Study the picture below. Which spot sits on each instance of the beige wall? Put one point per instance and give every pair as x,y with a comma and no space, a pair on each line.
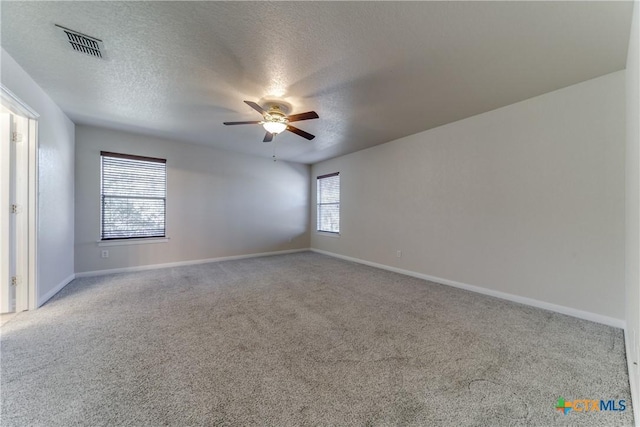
55,181
218,203
633,208
526,200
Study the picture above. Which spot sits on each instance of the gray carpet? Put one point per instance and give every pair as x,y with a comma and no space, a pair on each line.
300,339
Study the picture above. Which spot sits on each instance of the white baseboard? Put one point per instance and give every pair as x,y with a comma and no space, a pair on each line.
46,297
634,381
183,263
598,318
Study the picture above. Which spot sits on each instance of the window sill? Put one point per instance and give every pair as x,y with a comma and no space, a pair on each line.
125,242
327,233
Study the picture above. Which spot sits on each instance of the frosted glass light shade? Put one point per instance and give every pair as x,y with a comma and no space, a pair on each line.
274,127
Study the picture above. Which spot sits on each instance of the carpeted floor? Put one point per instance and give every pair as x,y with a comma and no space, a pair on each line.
300,339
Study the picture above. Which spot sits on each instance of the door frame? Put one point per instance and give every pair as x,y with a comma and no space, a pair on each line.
29,238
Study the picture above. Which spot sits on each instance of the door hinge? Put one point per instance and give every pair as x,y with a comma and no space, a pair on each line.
16,137
15,209
16,280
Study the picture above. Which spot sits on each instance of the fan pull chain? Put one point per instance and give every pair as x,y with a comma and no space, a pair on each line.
274,150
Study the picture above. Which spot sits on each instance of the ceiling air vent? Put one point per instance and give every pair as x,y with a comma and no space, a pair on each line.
83,43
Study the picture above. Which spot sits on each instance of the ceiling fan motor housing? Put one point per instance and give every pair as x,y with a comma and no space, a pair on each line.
276,111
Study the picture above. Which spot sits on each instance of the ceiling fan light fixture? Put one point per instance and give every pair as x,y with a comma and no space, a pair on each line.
274,127
276,119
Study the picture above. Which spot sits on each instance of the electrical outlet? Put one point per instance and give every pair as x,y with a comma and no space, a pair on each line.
398,253
105,254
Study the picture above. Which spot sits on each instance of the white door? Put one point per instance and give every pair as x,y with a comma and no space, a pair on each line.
20,128
7,252
14,175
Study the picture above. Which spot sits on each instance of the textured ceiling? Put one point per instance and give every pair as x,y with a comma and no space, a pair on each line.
374,71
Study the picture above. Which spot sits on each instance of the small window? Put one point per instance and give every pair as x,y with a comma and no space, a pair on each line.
134,190
329,203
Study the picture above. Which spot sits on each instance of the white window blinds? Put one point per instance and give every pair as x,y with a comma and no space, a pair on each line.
329,203
134,192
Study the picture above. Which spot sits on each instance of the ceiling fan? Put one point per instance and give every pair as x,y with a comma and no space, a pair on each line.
275,120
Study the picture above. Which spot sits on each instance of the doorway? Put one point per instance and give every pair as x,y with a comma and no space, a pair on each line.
18,155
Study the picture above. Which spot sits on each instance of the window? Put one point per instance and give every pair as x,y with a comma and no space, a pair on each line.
134,190
329,203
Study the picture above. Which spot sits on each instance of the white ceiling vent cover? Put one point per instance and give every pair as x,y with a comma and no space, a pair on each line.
82,42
